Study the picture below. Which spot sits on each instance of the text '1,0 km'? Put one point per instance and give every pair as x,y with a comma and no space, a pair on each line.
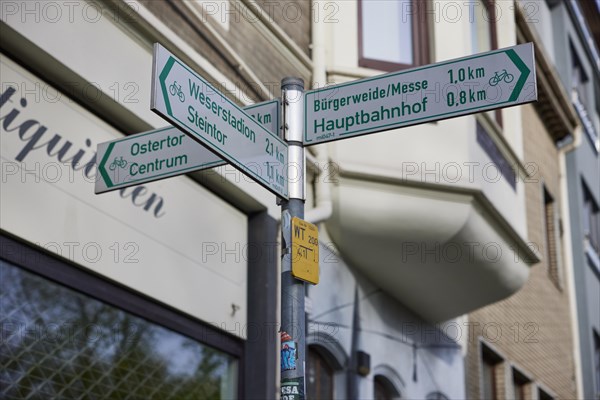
185,99
500,78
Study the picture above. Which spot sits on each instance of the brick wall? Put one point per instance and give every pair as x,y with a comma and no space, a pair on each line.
246,37
294,17
531,329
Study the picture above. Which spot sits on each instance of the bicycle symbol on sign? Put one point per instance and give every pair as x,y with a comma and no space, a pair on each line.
117,162
504,76
175,89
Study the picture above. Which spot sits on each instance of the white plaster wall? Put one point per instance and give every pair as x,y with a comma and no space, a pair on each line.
387,333
431,152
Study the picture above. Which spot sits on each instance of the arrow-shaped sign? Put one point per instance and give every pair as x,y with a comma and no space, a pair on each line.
186,100
162,153
468,85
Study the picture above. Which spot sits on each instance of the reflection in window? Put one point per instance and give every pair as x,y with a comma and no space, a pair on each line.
591,219
393,34
482,15
320,377
58,343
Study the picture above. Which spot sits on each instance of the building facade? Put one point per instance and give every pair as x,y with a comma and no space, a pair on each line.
576,46
561,140
429,222
164,289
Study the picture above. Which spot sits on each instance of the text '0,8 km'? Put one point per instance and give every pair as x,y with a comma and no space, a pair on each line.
468,85
186,100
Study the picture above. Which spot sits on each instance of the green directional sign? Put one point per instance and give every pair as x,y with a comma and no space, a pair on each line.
496,79
162,153
189,102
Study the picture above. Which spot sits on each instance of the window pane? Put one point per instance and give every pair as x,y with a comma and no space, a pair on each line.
436,396
481,26
519,383
597,360
382,389
591,219
58,343
551,238
320,377
387,30
489,381
379,392
542,395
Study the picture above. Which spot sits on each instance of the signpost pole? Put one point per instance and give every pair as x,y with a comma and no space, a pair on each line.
293,330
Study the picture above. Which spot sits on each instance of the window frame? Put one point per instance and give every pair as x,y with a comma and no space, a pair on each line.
494,360
591,218
596,344
320,353
421,43
520,383
69,275
552,251
490,7
544,395
437,395
386,385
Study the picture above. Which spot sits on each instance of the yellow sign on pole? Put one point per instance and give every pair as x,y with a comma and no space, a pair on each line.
305,251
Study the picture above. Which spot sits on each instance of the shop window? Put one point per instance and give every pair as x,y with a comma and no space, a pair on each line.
591,220
320,376
60,343
393,35
550,227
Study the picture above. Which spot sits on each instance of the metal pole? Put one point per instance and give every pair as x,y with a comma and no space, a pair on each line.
293,329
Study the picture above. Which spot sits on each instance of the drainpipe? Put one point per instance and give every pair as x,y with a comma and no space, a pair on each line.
568,259
352,381
323,207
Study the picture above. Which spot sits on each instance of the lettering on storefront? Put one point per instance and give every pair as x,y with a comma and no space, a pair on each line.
36,136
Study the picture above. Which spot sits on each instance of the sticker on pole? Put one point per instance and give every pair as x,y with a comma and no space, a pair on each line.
305,251
292,389
288,352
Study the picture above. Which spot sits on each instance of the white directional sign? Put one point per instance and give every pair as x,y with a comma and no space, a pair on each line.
162,153
185,99
486,81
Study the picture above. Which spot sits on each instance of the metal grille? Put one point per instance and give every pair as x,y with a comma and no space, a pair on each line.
59,344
